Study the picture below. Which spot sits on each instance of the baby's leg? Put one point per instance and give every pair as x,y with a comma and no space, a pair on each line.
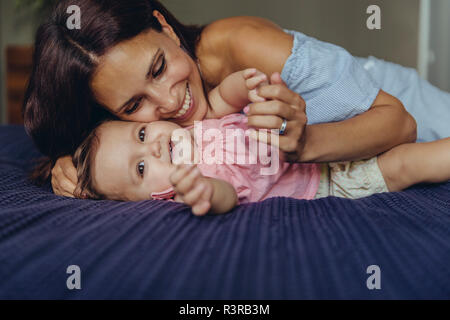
412,163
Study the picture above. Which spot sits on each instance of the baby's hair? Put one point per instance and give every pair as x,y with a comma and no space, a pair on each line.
83,160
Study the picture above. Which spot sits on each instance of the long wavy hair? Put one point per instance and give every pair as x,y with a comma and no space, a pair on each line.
59,108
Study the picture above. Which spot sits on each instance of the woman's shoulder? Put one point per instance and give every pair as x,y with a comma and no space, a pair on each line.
233,23
241,42
224,31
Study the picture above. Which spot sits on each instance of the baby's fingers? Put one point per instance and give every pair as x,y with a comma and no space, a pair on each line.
250,72
201,208
179,174
187,183
254,82
203,205
194,195
254,97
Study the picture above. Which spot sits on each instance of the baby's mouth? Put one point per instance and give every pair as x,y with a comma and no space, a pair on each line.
176,151
171,151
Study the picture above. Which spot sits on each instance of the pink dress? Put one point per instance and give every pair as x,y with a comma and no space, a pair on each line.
256,179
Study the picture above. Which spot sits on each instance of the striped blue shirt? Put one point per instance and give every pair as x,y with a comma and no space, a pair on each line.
337,86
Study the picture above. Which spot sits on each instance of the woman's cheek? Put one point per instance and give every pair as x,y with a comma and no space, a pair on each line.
145,113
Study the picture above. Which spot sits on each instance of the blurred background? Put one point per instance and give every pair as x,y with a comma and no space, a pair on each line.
413,33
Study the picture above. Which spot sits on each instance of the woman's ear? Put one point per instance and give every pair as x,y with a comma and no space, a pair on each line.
167,28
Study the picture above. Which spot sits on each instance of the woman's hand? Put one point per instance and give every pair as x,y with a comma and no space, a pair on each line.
280,103
64,177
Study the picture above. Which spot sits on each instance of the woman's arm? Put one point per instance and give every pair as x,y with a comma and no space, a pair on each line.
258,43
361,137
385,125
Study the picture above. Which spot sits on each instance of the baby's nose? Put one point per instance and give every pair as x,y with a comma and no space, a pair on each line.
155,148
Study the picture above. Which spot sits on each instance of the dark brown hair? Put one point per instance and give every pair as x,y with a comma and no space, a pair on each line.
59,108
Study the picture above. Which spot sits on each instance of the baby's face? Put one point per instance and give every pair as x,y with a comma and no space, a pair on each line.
133,159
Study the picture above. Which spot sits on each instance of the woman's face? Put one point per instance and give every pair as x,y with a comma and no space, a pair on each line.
149,78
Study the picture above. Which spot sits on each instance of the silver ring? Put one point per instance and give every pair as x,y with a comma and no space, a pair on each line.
282,129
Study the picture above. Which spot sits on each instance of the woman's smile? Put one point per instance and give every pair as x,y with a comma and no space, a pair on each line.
185,111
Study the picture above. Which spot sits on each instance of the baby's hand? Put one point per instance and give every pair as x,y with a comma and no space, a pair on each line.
254,79
192,188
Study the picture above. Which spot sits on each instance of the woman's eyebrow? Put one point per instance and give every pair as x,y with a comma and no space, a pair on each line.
147,75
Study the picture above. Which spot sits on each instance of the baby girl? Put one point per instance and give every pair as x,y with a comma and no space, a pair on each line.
139,161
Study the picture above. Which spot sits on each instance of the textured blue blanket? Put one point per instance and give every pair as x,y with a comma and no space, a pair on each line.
277,249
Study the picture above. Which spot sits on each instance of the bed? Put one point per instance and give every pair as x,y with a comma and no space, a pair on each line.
280,248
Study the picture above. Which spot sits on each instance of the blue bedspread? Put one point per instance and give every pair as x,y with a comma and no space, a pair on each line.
277,249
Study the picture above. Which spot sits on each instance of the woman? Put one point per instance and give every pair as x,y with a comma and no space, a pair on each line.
133,58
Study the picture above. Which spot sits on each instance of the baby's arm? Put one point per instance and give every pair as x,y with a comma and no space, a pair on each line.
203,194
236,91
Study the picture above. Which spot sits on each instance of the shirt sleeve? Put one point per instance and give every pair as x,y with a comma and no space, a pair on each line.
333,84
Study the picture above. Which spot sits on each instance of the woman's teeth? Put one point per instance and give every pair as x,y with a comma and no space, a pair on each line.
186,105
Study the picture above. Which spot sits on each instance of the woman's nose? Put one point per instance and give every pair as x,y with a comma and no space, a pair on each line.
166,101
167,109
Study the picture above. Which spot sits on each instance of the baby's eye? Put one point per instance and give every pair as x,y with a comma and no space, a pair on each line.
140,168
142,134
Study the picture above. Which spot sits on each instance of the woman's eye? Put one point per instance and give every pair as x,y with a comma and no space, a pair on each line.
134,107
140,168
161,69
142,134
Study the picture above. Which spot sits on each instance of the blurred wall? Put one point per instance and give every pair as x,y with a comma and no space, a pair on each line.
342,22
439,64
16,28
